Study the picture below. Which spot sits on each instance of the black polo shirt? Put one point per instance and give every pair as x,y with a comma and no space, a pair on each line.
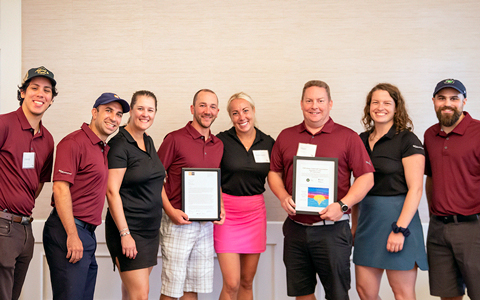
241,175
141,189
387,157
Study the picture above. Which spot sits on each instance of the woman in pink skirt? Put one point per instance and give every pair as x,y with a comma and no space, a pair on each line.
245,165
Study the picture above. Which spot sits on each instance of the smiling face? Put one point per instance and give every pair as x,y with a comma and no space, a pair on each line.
242,115
382,108
142,113
106,118
316,107
37,97
205,110
448,105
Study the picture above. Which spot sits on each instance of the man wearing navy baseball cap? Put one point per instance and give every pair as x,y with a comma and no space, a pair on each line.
452,166
26,159
79,188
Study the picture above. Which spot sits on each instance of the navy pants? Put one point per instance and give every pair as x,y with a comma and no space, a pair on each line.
69,281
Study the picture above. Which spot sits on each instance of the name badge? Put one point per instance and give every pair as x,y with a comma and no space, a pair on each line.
261,156
307,150
28,160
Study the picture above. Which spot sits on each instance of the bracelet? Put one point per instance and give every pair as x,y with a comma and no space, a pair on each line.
124,234
396,229
124,229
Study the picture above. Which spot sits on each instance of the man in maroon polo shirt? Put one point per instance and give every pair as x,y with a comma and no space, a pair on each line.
79,188
319,244
26,158
188,245
452,166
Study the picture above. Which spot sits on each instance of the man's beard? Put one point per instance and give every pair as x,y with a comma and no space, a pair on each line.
448,120
199,121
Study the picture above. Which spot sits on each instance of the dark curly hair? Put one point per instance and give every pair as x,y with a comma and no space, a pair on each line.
401,119
24,86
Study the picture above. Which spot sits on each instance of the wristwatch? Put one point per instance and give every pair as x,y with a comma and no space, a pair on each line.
343,206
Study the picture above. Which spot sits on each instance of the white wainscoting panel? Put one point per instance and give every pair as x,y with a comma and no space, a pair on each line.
270,281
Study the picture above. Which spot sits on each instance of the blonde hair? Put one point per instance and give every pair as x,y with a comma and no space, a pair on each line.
240,95
243,96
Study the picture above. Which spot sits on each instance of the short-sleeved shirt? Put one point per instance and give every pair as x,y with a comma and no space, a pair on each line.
81,160
387,155
141,188
242,175
333,140
453,162
187,148
18,185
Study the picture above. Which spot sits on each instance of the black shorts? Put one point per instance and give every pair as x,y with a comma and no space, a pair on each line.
323,250
147,243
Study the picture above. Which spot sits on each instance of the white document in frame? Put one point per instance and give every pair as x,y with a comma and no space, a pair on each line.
201,194
315,185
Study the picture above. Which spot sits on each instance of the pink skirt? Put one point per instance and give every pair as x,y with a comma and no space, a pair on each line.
245,227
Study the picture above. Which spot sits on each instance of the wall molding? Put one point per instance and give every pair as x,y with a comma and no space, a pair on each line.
270,280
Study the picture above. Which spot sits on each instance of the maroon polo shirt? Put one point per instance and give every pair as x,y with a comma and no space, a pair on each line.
453,162
81,160
333,140
187,148
18,185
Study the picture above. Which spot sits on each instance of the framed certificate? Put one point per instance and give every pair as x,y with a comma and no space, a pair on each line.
201,194
314,183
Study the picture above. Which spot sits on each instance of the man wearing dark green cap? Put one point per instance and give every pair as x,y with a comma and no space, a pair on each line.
26,158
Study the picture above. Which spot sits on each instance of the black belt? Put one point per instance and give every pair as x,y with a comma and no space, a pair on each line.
85,225
457,218
80,223
24,220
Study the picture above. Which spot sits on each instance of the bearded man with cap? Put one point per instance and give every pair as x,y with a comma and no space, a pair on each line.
79,188
26,159
452,166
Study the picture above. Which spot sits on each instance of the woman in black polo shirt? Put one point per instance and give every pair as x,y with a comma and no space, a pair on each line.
389,234
245,165
134,194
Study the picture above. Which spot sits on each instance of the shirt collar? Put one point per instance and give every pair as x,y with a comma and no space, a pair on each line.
197,135
24,122
391,133
327,128
258,136
127,135
91,135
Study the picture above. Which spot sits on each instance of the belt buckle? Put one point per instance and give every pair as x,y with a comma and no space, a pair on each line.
26,220
447,219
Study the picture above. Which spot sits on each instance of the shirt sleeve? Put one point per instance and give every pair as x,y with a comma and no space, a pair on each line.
411,145
276,159
117,155
3,133
166,152
66,161
428,169
359,161
46,173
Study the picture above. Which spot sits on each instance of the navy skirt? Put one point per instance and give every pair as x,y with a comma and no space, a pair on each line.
376,215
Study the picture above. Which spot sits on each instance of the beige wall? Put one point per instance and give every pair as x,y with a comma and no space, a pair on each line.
268,49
